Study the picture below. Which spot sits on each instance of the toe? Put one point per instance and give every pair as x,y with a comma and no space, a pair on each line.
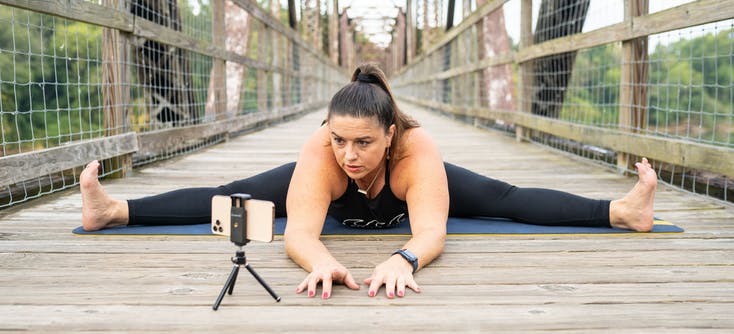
89,173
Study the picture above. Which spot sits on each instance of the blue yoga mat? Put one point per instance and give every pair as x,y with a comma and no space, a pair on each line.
456,226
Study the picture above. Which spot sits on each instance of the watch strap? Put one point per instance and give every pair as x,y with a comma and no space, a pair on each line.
408,256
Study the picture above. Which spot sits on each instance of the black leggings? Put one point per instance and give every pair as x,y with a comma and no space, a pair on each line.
471,195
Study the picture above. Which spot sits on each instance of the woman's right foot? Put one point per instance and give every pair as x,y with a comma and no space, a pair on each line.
635,210
99,210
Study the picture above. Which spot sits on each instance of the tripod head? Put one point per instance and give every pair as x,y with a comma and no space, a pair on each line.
238,219
243,218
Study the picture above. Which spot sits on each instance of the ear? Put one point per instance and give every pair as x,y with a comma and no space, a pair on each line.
390,133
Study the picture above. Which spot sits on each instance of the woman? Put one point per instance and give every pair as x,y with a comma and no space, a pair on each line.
370,166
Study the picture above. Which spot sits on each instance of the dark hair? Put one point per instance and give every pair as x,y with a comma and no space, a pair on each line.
368,95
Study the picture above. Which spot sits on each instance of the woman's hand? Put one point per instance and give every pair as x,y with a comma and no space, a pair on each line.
395,274
326,274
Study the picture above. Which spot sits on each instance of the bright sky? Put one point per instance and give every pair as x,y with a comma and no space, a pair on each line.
600,14
377,16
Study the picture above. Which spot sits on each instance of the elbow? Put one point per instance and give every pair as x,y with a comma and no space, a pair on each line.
289,243
294,241
441,242
437,238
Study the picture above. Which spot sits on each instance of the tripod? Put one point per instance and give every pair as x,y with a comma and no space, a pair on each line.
239,260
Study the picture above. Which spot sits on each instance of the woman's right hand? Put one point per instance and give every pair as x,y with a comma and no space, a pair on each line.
326,274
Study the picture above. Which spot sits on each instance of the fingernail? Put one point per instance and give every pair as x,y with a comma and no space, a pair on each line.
311,293
401,293
325,295
372,293
391,295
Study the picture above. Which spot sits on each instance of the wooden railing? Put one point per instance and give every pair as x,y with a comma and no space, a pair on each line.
443,79
289,76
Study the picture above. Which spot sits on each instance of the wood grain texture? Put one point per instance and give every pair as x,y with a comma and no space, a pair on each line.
263,16
89,12
56,282
78,10
683,16
679,152
24,166
687,15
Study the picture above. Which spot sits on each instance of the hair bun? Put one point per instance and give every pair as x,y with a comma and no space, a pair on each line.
368,78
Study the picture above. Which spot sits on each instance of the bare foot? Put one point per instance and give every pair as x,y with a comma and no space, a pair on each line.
99,210
634,211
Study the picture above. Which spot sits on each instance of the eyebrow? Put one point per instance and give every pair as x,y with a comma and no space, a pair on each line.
358,138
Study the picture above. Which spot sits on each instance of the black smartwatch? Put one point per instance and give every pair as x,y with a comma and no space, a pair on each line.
408,256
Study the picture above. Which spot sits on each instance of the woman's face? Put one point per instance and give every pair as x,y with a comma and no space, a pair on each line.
359,144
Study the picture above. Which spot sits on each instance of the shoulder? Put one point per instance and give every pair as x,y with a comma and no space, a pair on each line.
416,143
319,139
316,163
420,160
316,151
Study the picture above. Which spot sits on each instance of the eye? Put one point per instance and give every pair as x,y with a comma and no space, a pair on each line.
363,143
338,141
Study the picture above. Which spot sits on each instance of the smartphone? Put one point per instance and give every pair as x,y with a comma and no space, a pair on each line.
260,217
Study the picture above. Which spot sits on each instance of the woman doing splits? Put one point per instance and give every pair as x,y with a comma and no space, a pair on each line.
372,166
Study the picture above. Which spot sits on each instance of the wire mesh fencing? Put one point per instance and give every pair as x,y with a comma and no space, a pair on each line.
182,80
643,88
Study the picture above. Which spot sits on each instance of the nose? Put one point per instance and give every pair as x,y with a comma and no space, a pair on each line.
350,154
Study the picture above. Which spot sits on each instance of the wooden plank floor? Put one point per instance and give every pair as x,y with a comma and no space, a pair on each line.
54,281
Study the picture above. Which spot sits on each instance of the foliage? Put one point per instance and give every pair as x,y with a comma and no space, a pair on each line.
697,86
593,90
690,88
51,81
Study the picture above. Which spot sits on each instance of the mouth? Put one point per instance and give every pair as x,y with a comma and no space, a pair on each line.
353,168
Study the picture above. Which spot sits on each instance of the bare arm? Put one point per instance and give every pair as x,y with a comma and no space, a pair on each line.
421,180
315,183
427,195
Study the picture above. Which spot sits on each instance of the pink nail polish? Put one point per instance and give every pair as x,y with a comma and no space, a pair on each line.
401,293
311,293
372,293
325,295
391,295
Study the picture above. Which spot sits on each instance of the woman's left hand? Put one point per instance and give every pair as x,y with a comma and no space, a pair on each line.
395,274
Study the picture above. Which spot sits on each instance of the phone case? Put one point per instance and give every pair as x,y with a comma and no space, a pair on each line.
221,206
260,218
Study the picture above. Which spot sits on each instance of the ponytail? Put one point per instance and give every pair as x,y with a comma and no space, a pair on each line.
369,95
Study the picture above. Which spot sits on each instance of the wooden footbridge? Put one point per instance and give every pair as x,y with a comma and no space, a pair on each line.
55,281
172,95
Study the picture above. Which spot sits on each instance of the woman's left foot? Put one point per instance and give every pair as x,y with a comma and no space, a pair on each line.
634,211
99,210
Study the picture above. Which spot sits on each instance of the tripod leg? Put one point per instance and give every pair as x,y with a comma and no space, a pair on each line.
262,282
227,285
236,270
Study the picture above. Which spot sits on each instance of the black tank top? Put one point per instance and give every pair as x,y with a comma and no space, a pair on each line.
354,209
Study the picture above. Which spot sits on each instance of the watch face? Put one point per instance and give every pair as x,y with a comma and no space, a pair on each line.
410,255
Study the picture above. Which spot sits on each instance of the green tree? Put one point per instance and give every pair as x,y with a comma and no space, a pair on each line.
692,93
50,82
